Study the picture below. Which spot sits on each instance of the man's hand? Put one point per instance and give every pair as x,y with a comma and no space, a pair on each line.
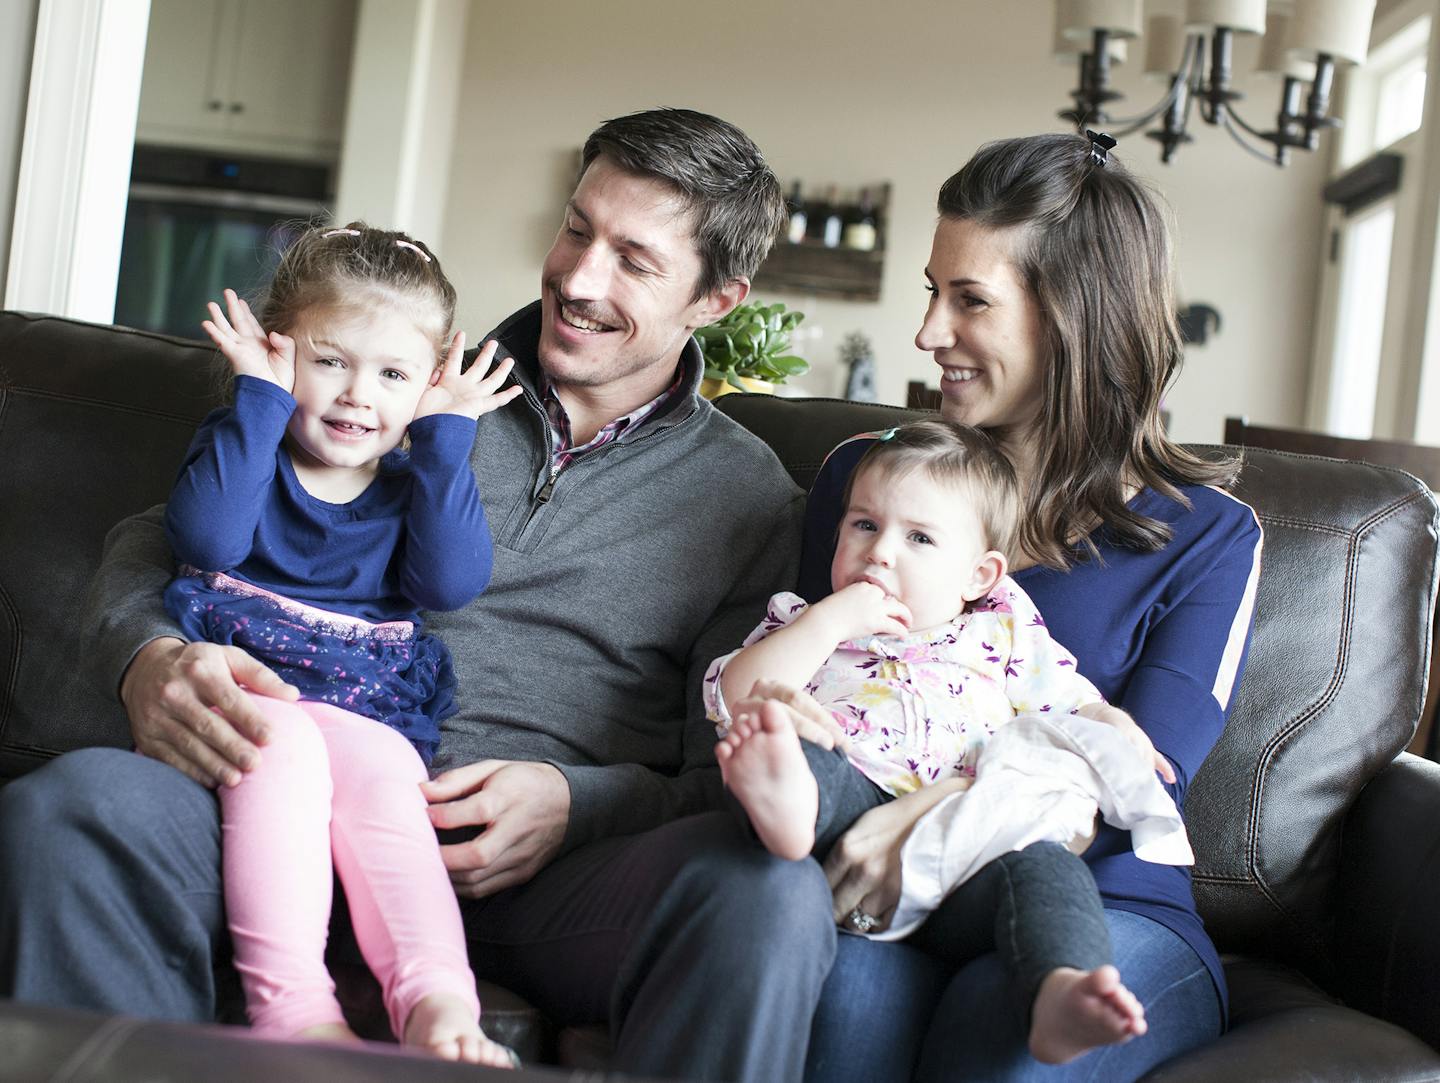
522,810
1131,731
247,346
187,707
472,393
811,721
858,610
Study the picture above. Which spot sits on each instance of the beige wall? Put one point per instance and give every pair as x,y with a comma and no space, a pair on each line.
17,37
850,91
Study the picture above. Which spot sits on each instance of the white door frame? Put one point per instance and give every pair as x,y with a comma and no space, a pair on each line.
403,107
75,157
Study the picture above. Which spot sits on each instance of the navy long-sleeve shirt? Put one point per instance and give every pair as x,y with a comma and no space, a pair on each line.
416,539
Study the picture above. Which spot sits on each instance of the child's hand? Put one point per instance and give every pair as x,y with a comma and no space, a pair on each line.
1131,731
862,609
811,721
250,351
470,393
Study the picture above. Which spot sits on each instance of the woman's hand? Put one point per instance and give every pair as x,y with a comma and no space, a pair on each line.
863,868
472,393
245,344
811,721
1131,731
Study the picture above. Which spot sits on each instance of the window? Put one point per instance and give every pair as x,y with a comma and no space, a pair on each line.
1400,100
1360,321
1386,95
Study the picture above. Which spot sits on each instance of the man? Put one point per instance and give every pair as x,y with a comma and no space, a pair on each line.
638,534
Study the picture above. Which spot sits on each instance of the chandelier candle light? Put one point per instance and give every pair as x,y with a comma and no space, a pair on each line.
1303,41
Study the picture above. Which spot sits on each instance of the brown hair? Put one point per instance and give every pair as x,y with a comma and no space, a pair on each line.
354,269
1093,249
733,198
960,456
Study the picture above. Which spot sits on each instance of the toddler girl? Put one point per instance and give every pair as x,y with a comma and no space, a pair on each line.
311,521
922,652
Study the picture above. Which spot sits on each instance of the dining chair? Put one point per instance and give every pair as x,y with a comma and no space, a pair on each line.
919,396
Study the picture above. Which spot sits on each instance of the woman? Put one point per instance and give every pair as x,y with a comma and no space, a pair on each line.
1051,318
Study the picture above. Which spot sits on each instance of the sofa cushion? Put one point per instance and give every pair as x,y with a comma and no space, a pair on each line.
1284,1028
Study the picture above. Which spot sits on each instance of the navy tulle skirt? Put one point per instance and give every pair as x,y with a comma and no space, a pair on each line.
390,672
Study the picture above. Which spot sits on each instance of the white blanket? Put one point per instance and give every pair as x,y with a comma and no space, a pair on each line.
1042,777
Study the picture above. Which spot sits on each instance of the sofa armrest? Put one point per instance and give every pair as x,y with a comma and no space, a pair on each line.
1387,935
43,1042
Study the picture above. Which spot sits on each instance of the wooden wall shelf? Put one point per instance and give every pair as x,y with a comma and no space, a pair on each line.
832,272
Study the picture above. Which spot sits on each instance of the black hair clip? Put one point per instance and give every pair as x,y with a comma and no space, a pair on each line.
1100,144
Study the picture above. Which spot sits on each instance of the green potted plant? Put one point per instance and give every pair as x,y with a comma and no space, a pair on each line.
747,350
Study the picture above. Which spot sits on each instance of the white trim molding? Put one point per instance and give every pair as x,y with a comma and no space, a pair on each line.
405,79
75,158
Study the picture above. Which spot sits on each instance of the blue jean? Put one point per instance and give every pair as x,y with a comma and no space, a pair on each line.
110,898
890,1012
1037,908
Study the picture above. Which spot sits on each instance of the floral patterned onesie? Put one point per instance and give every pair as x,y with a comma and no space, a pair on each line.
919,708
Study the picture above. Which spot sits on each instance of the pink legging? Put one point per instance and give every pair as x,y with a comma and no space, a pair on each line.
333,783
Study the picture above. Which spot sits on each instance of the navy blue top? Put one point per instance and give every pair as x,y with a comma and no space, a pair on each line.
1162,635
415,539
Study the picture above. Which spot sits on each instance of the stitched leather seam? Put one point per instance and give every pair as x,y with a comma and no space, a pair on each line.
1273,747
1306,524
12,663
1355,531
107,404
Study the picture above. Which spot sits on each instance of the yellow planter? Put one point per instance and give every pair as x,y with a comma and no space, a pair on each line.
713,389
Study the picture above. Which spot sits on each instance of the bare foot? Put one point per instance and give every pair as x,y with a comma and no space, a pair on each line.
445,1026
764,767
1077,1010
329,1032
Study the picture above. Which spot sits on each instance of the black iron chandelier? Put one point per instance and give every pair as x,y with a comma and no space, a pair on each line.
1303,42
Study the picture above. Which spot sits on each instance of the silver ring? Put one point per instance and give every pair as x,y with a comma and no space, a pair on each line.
860,921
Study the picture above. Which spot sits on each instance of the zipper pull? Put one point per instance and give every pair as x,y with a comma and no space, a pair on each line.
543,496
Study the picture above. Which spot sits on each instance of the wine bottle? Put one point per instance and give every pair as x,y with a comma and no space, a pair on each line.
834,223
795,230
860,230
817,211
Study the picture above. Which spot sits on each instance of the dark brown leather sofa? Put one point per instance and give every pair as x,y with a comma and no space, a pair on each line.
1318,842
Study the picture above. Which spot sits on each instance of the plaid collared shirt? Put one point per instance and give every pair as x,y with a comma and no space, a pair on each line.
562,454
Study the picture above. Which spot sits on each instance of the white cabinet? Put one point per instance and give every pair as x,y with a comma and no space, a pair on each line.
264,76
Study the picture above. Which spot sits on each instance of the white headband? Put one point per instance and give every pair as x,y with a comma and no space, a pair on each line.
355,233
